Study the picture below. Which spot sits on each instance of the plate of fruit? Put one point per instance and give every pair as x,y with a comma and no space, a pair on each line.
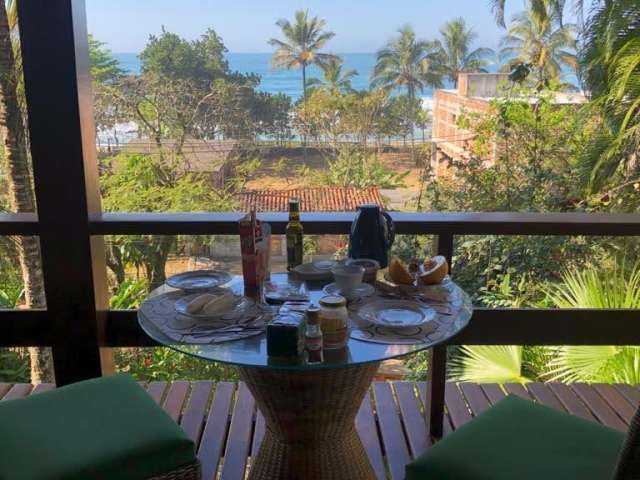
430,272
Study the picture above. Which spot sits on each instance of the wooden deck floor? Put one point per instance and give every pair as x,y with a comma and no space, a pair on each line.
223,421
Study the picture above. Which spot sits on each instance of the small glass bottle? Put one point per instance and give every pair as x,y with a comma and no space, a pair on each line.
313,336
294,235
334,320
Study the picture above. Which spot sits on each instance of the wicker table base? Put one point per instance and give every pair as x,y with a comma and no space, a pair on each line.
310,423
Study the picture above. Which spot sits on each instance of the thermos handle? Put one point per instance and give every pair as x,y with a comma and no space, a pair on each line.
391,229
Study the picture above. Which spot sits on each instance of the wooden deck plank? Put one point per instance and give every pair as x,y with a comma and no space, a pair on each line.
4,388
476,399
616,401
175,399
598,406
456,406
156,390
570,401
447,428
493,391
542,394
19,390
193,419
215,430
258,433
630,393
393,440
517,389
368,431
239,442
412,418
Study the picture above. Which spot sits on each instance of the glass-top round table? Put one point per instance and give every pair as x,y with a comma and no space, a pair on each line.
309,409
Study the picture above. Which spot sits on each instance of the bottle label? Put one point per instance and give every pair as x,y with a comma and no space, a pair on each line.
294,250
313,348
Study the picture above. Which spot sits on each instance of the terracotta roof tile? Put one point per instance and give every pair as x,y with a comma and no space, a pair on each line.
321,199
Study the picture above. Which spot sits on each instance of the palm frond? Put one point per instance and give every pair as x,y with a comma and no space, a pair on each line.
489,364
609,288
497,6
577,363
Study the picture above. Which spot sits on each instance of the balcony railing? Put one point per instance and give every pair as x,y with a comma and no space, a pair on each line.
78,324
488,326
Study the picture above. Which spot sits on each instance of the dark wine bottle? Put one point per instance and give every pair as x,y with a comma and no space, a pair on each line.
294,235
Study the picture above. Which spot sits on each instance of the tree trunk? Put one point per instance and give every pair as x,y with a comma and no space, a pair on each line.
21,196
412,123
156,261
304,106
116,264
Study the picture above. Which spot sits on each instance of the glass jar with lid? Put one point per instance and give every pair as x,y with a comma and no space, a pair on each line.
334,320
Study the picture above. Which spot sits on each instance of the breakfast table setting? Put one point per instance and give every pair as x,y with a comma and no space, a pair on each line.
308,342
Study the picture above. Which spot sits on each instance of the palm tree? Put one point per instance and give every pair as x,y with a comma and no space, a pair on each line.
335,79
455,54
21,195
540,41
408,63
301,48
610,62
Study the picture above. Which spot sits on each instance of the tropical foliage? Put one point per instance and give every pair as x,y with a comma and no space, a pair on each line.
611,68
614,287
541,7
456,53
488,364
407,63
335,79
354,168
542,42
303,40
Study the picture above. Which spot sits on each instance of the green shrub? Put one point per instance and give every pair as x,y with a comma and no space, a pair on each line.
165,364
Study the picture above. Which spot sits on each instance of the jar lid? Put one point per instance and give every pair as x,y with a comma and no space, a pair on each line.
333,301
312,315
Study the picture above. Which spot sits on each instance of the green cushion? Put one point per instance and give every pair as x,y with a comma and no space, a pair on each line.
520,439
107,428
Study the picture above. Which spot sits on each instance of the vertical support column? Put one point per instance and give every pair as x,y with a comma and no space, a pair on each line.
55,57
437,373
436,379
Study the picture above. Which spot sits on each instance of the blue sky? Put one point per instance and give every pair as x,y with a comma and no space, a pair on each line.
246,25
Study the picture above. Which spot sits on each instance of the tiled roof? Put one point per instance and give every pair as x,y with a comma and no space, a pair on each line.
321,199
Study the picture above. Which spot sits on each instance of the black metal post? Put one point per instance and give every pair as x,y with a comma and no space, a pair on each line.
437,373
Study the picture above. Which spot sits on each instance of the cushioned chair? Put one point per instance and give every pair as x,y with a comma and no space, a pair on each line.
102,429
519,439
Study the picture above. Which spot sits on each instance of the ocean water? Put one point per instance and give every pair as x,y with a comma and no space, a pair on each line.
281,81
290,81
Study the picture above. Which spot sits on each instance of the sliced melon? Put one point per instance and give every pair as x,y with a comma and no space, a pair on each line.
399,272
433,270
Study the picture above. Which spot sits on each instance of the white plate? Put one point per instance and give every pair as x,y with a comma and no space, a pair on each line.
362,290
396,313
239,305
199,280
